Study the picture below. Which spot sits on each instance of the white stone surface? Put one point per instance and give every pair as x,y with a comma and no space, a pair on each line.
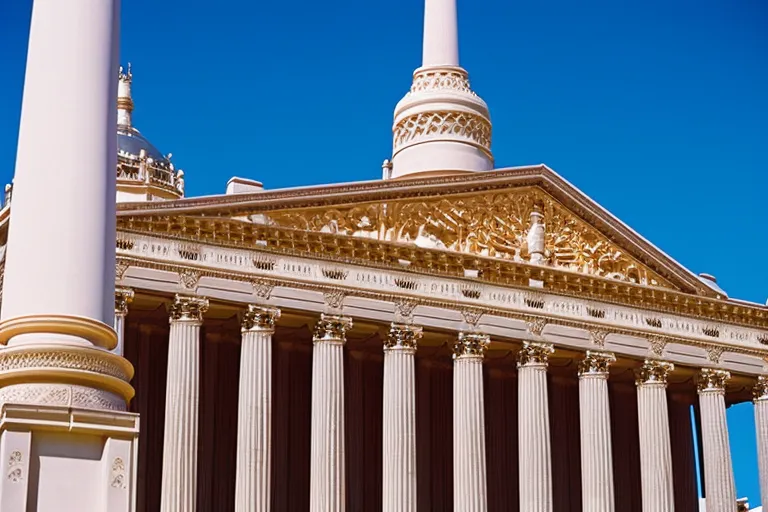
761,426
657,483
441,33
718,469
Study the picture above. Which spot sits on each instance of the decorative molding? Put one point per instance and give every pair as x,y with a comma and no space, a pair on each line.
15,467
117,474
404,310
536,325
714,354
123,297
653,372
443,123
188,309
332,329
472,316
597,337
441,79
596,364
62,394
334,300
471,345
189,279
121,266
535,354
262,289
658,345
760,391
260,318
712,380
403,338
28,357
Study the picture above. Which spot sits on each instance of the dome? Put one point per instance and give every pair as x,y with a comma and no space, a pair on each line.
130,143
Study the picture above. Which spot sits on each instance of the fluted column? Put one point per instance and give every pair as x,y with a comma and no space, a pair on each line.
719,484
254,413
655,446
327,465
595,422
761,427
123,297
470,492
535,452
179,490
399,443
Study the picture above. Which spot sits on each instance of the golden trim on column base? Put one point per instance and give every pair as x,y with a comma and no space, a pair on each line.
760,391
259,319
471,345
403,337
332,329
535,354
712,380
596,364
98,333
653,372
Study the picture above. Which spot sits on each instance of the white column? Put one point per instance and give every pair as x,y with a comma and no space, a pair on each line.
254,413
179,489
399,443
535,468
761,427
655,447
327,483
470,492
123,297
441,34
719,484
595,425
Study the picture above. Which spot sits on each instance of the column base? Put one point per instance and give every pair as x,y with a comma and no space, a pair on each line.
62,459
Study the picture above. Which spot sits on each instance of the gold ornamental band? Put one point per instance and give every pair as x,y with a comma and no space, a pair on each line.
68,376
98,333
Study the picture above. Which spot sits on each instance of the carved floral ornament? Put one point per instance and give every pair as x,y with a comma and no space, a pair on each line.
654,372
188,309
260,318
332,329
471,345
596,364
712,380
123,297
403,337
535,354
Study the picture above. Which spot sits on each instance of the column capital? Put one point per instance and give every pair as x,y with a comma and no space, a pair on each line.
596,364
760,391
188,309
123,297
403,338
534,354
471,345
332,329
712,380
653,372
259,318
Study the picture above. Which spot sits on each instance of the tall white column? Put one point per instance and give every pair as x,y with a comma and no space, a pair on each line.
760,394
719,484
441,33
655,447
123,297
254,413
179,486
597,492
470,492
399,472
327,483
535,471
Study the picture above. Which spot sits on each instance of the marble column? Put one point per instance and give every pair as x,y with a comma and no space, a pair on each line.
179,486
327,482
123,297
470,490
595,425
535,451
655,447
399,443
719,484
761,426
254,413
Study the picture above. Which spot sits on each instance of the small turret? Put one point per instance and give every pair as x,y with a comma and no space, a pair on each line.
124,99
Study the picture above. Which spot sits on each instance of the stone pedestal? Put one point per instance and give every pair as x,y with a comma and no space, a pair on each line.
470,490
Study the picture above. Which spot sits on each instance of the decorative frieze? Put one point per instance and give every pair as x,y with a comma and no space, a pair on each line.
332,329
123,297
471,345
402,337
188,309
535,354
712,380
259,318
654,372
596,364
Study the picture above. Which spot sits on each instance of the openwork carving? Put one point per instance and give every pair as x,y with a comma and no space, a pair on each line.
403,338
441,79
188,309
117,474
123,297
62,394
536,326
471,345
760,391
658,345
260,318
332,329
493,225
88,361
535,354
15,467
596,364
189,278
654,372
712,380
714,354
443,123
597,337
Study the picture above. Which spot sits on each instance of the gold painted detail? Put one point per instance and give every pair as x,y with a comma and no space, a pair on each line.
536,325
596,364
471,345
98,333
597,337
451,79
534,354
403,338
79,358
657,345
654,372
260,318
332,329
760,391
188,309
123,297
712,380
444,123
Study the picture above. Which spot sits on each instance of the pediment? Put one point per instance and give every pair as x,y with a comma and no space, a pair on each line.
524,215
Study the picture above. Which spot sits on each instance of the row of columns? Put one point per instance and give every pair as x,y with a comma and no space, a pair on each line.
328,478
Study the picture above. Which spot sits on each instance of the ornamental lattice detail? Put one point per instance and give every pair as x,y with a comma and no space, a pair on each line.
471,345
332,329
425,125
72,360
535,354
260,318
404,338
596,364
654,372
712,380
442,80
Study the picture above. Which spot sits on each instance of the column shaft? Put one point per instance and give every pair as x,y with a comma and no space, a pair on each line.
761,427
327,463
718,469
123,297
469,470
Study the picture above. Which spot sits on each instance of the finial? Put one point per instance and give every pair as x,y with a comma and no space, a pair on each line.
125,75
386,169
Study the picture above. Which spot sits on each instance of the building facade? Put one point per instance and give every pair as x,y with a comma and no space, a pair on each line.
455,336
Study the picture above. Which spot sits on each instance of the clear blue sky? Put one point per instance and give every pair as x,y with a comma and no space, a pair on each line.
656,109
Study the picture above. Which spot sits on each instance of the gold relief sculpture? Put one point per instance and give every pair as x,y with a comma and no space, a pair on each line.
123,297
535,354
712,380
471,344
596,364
403,337
332,329
260,318
188,309
760,391
654,372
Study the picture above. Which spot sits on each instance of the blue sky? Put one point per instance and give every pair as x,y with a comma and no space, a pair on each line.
656,109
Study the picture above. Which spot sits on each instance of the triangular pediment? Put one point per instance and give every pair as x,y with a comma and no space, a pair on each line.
524,215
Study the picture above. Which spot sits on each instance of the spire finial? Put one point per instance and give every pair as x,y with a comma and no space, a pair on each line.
124,99
127,75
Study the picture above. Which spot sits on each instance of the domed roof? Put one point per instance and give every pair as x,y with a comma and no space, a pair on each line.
130,143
